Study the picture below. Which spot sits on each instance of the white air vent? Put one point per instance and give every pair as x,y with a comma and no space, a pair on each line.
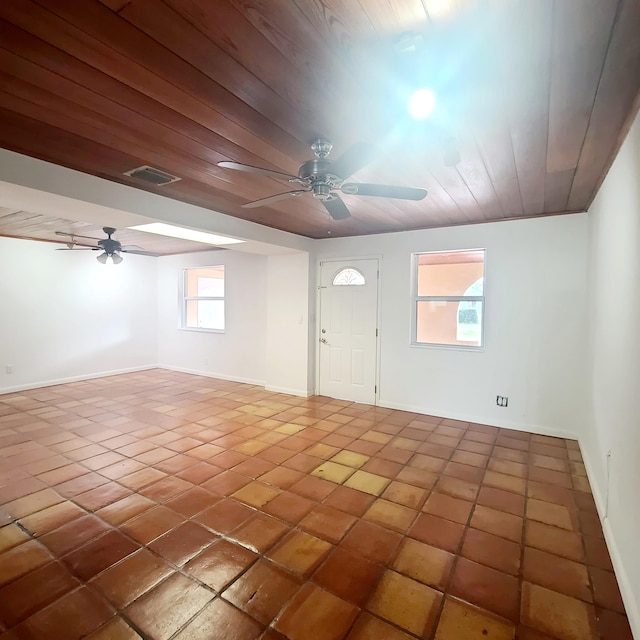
152,176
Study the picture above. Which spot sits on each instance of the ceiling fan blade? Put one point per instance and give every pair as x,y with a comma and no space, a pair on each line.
353,159
130,247
270,199
74,235
138,251
383,191
337,208
248,168
79,248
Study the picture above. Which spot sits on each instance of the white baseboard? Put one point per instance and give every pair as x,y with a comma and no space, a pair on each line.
628,597
541,430
302,393
87,376
210,374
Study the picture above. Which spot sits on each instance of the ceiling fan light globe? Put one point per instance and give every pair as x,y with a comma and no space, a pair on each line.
321,191
102,258
117,258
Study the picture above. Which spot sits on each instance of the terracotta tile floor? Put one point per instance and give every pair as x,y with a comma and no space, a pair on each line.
164,505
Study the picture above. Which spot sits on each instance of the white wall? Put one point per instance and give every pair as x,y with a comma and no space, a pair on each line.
534,324
238,353
613,393
287,340
64,315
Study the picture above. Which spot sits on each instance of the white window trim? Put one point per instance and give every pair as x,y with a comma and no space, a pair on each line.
415,298
185,298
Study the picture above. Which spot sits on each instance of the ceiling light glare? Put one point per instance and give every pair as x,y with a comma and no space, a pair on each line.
172,231
421,104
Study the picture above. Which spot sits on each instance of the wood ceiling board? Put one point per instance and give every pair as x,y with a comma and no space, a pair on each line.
111,121
283,24
6,211
527,110
116,5
452,182
495,146
339,23
580,42
46,107
610,118
276,101
395,17
105,86
85,43
49,68
349,42
473,172
137,54
439,11
307,95
50,110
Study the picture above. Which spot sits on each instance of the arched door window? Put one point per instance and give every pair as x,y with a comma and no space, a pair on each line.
348,277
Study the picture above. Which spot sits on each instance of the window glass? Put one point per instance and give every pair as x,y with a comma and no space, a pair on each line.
449,298
205,314
203,300
469,327
210,286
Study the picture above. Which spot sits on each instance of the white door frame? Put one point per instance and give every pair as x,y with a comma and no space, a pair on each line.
316,337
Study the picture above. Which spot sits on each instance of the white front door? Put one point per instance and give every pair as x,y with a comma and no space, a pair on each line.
348,330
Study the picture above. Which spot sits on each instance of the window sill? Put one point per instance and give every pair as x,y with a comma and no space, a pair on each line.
201,330
447,347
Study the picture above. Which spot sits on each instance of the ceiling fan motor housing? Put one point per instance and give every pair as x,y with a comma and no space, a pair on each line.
317,173
110,246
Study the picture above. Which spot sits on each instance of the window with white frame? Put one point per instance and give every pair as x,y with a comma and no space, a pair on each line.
203,298
448,298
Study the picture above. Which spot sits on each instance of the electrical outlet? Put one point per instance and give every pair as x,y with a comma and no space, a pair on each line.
9,368
502,401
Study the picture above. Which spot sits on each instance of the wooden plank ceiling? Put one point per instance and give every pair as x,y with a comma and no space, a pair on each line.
78,234
534,96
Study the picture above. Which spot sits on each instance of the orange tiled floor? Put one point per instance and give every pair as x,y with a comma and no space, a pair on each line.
163,505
